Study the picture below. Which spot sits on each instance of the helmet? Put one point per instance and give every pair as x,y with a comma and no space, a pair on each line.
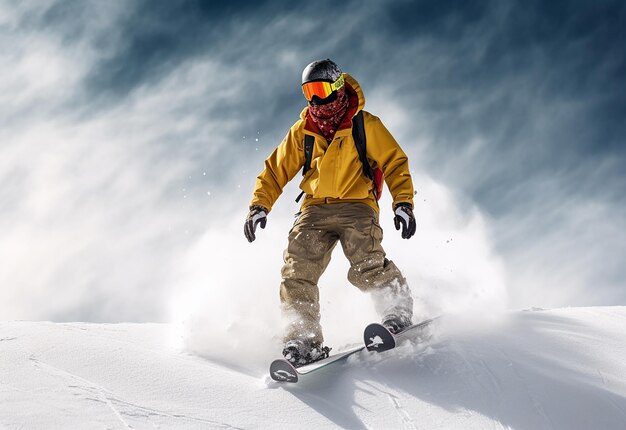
321,70
320,82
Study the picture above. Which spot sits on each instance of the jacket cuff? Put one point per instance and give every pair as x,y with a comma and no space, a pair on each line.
401,203
259,207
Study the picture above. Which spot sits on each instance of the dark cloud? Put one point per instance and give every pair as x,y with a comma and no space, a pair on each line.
155,38
540,83
413,19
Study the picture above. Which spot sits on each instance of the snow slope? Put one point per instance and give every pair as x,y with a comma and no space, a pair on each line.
556,369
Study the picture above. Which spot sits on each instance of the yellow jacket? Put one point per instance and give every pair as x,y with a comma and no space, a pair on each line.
336,173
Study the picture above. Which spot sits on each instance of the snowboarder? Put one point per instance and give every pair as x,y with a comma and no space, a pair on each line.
340,205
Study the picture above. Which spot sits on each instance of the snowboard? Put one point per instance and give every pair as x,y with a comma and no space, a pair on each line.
282,370
377,338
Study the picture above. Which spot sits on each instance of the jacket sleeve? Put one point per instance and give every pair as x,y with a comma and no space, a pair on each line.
280,167
383,149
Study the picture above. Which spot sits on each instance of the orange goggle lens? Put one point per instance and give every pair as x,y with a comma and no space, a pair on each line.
321,89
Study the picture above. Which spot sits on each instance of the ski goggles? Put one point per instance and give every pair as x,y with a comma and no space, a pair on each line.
321,89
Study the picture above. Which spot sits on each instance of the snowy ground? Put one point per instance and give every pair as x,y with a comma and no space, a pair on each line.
556,369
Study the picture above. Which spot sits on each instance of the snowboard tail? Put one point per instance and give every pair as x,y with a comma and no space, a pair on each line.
377,338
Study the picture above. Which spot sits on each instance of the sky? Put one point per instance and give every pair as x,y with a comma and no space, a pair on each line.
131,134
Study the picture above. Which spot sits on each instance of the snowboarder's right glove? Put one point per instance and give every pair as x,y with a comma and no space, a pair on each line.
404,217
257,215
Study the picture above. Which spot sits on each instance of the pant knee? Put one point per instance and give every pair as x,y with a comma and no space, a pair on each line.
374,272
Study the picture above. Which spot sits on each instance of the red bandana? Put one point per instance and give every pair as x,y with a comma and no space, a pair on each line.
328,117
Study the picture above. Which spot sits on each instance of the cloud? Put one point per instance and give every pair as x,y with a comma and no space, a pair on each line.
131,135
96,203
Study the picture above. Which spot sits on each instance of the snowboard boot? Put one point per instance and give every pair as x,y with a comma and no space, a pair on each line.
396,323
300,352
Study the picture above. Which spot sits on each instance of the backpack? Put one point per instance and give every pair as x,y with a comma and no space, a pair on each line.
358,134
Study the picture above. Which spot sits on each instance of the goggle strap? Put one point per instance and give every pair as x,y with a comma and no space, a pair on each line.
338,83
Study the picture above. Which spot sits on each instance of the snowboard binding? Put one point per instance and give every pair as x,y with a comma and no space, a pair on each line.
396,323
299,352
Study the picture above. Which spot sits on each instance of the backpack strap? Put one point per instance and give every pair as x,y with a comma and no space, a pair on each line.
309,141
358,134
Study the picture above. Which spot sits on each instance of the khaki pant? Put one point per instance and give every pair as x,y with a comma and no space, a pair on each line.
311,242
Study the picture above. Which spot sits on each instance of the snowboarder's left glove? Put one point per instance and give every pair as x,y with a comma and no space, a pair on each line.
256,216
404,217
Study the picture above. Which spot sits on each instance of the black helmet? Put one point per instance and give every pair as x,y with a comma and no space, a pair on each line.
321,70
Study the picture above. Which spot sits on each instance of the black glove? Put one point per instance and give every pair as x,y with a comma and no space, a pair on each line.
404,217
257,215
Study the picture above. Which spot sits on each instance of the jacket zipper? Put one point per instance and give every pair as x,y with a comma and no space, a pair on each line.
338,166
